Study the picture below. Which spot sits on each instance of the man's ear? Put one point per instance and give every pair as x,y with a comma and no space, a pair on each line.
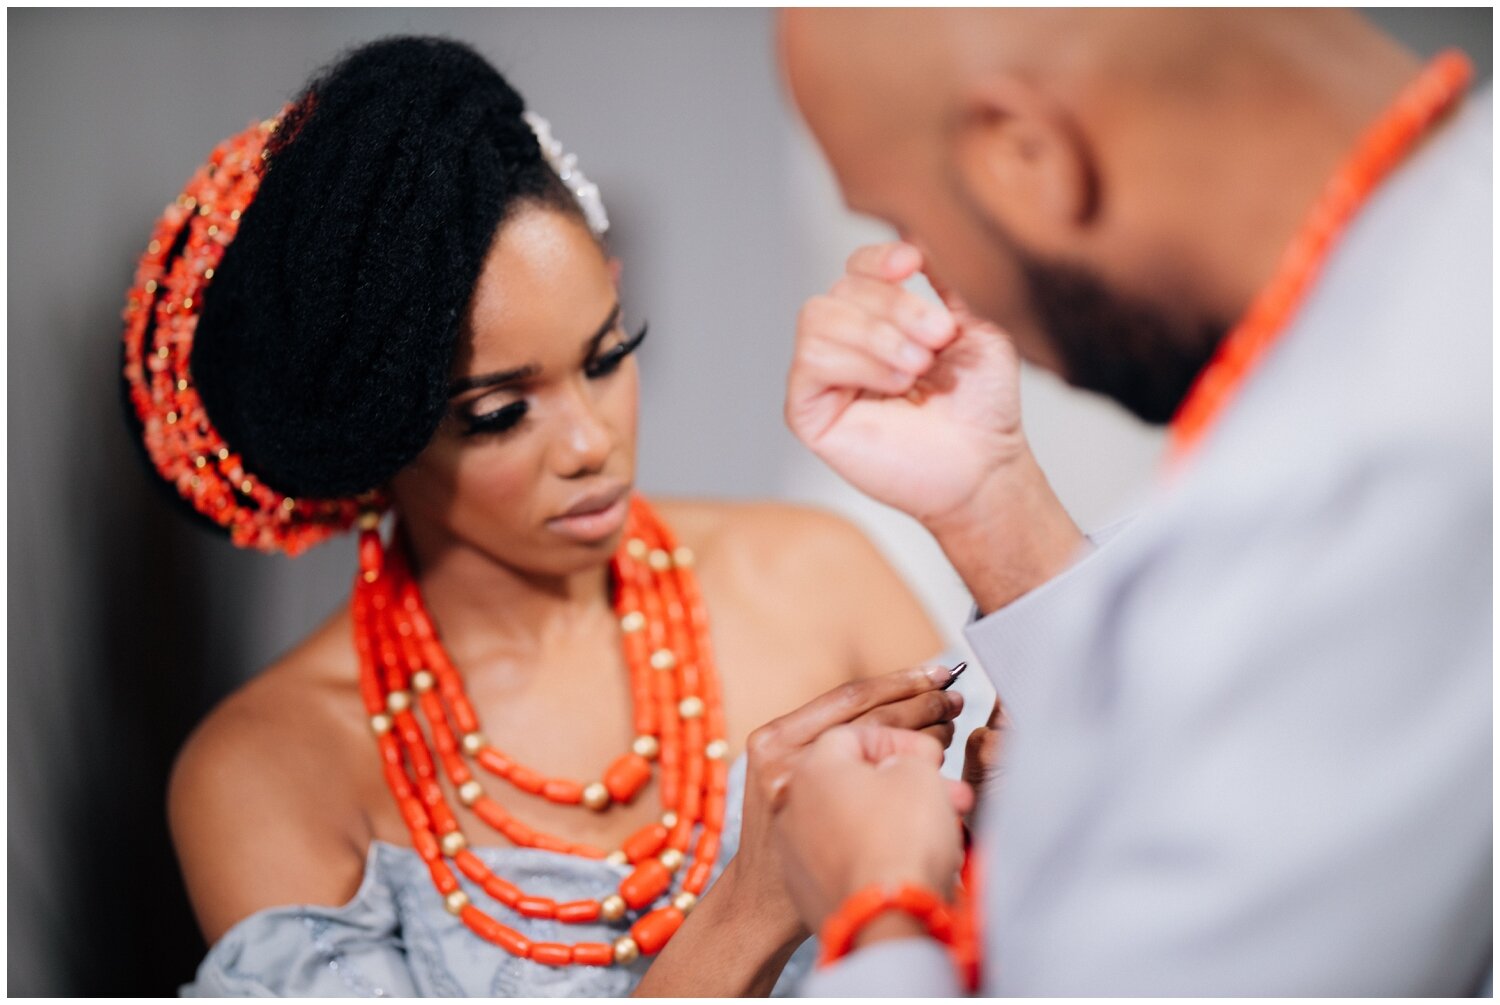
1020,160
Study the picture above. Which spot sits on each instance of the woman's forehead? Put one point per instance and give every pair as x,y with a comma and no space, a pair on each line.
544,289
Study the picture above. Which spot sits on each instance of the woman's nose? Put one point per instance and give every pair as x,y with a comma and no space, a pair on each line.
583,442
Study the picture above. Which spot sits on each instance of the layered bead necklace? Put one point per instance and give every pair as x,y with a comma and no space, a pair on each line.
678,721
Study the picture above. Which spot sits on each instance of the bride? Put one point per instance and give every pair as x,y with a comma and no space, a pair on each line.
515,762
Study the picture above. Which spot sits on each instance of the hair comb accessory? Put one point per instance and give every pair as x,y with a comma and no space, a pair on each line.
161,317
566,167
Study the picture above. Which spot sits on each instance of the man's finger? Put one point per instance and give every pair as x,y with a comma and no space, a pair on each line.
893,261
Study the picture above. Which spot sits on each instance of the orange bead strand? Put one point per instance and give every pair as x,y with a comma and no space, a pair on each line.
405,673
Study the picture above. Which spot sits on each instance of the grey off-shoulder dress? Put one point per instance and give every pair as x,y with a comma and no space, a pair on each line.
394,938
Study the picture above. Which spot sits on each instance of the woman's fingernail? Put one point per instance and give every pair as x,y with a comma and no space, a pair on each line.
913,356
939,674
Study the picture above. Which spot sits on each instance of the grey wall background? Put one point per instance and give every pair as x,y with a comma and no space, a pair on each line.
126,625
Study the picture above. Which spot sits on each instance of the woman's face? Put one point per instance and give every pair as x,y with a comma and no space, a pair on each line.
534,461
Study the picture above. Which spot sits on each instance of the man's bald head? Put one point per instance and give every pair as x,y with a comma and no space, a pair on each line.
1110,185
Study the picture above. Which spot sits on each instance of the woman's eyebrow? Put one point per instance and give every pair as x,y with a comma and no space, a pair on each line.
520,373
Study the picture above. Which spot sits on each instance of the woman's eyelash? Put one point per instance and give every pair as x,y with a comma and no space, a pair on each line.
606,362
509,416
497,421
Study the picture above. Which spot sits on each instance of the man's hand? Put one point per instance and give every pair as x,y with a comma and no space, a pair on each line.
918,405
911,403
982,757
865,804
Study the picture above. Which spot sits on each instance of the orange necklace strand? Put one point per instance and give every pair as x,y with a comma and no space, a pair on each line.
1382,147
678,718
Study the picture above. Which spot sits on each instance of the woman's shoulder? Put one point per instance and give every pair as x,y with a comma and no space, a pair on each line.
264,783
804,566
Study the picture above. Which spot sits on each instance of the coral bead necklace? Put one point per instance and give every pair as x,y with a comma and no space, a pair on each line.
678,719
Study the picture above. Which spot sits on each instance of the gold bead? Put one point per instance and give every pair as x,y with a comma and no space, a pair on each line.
234,214
633,622
369,520
469,792
163,352
208,273
204,209
371,575
682,556
616,857
669,820
171,418
288,504
456,901
268,125
422,681
612,908
626,951
187,303
189,203
663,659
150,286
154,247
398,701
660,560
246,487
684,902
595,796
453,843
636,548
200,461
716,750
223,453
473,743
213,229
690,707
646,746
182,383
672,859
380,724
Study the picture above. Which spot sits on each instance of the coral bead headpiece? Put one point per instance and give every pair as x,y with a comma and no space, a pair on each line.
161,317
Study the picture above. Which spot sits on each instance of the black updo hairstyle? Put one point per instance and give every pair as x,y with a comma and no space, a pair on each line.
326,339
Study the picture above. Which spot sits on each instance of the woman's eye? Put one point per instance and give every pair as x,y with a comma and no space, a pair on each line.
609,360
498,420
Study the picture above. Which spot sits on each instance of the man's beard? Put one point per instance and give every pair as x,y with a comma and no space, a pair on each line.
1142,357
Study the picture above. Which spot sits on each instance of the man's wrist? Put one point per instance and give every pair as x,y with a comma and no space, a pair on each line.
1011,536
888,926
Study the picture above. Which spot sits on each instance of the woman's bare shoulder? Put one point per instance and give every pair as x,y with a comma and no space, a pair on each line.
800,563
263,806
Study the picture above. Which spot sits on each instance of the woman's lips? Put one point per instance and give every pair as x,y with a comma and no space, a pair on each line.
593,519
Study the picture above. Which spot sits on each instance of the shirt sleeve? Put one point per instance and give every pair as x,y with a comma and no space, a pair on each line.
1269,771
896,968
302,952
1016,642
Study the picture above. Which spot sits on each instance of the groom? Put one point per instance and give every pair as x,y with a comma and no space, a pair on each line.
1250,734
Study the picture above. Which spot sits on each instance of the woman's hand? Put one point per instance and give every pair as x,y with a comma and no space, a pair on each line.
747,920
906,700
866,805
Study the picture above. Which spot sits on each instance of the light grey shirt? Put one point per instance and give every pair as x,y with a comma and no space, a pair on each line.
1251,745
